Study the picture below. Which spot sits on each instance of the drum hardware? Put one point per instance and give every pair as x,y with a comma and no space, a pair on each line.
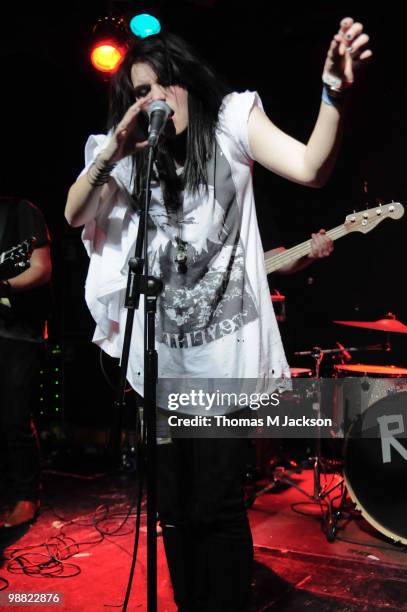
385,347
344,354
278,301
272,456
389,324
361,457
320,495
339,349
331,515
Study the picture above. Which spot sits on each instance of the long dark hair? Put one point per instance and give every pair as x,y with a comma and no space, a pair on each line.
175,63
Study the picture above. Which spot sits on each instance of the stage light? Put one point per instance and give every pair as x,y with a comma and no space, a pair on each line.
106,57
111,35
144,25
109,40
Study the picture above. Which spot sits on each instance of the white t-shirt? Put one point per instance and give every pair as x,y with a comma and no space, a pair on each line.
215,319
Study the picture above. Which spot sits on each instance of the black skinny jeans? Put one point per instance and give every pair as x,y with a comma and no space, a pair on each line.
19,368
206,532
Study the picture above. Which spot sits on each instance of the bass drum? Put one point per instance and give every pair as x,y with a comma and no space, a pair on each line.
357,386
375,467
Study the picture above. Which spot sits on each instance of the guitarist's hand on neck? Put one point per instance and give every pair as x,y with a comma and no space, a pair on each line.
321,246
38,273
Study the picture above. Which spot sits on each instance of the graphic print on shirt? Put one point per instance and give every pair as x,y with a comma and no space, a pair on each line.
212,297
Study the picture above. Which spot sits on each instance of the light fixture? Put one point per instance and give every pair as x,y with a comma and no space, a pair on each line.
109,41
111,36
144,25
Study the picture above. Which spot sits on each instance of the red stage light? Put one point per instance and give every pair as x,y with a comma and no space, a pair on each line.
106,56
109,39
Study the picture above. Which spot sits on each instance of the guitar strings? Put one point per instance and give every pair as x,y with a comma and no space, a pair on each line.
287,255
334,233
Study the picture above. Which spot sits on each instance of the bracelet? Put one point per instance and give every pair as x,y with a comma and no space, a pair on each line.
332,97
99,172
334,88
327,98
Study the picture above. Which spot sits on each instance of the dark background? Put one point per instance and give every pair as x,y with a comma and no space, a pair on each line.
52,99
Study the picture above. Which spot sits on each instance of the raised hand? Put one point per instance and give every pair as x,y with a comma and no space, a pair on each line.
124,140
347,53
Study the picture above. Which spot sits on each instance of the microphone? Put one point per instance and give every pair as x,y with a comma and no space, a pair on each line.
158,114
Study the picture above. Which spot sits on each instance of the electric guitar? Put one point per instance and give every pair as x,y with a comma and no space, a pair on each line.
363,221
17,257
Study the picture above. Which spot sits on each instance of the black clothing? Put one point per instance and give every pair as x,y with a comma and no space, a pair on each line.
206,532
19,365
29,309
22,319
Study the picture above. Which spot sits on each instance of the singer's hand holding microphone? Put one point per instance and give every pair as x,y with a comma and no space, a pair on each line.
123,141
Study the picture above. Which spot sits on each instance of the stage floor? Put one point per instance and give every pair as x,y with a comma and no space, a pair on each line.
82,524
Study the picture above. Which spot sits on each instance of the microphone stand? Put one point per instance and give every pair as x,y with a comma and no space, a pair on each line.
151,287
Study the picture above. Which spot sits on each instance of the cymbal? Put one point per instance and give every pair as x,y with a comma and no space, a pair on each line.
386,325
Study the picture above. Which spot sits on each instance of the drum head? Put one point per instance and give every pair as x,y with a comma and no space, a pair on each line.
301,373
353,369
376,465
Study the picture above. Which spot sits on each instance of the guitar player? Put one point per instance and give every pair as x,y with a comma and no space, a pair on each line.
24,301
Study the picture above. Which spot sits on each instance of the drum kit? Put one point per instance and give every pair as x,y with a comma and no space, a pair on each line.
373,461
